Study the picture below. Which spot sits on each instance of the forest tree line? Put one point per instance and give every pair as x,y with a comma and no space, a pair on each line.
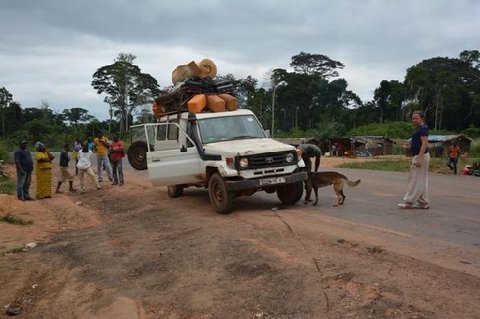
309,99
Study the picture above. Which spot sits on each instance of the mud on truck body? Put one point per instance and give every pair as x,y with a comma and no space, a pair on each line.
228,153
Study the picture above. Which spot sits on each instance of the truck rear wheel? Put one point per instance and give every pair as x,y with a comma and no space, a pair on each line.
289,194
221,198
175,190
137,155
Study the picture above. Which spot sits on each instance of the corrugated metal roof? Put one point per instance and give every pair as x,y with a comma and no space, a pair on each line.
444,138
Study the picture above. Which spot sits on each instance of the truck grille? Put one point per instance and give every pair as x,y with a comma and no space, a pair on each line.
266,160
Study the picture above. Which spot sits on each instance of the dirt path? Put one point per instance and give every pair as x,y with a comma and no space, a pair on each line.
132,252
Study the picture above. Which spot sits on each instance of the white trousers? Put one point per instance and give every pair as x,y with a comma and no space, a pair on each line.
92,175
417,191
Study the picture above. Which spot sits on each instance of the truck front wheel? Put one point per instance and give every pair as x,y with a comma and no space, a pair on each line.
289,194
221,198
137,155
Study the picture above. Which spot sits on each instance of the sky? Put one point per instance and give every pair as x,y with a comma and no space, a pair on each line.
50,49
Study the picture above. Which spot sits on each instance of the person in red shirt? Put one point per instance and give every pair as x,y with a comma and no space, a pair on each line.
453,155
117,153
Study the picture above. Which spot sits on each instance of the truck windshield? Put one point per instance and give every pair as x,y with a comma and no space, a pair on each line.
229,128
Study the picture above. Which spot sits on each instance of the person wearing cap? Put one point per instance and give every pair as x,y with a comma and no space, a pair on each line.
43,171
24,164
467,170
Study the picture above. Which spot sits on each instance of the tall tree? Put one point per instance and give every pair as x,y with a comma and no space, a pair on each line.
447,89
75,115
5,99
316,64
126,86
389,97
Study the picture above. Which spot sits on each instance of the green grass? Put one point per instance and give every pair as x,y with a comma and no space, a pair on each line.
379,165
11,219
7,186
437,165
14,250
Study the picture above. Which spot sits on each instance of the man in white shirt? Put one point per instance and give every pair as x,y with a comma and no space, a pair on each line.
84,166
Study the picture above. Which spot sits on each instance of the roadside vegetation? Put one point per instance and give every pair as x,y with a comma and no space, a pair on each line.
437,165
12,219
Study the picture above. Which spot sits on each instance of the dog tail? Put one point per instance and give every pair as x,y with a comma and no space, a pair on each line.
355,183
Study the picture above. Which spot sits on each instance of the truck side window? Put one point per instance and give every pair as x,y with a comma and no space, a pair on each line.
190,134
161,132
172,132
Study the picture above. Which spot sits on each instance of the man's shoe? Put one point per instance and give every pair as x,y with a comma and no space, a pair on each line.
21,198
121,183
405,206
115,183
29,198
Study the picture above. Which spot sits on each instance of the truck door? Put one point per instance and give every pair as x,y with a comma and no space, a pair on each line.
174,159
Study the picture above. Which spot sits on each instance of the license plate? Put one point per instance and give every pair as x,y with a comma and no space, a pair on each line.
272,181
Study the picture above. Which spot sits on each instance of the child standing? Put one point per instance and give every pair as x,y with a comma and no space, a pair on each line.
64,172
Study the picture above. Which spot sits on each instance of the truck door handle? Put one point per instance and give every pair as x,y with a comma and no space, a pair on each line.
155,160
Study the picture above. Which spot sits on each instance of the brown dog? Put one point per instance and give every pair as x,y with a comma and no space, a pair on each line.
322,179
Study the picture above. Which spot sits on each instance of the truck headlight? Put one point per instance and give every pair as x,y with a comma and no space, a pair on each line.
243,162
289,158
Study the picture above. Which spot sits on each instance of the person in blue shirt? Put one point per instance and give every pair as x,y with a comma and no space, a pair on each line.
24,164
417,190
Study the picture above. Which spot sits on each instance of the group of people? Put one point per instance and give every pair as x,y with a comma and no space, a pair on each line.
109,157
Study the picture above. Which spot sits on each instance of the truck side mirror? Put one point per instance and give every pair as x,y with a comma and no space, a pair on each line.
183,149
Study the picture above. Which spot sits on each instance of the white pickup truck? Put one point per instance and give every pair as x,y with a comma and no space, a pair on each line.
226,152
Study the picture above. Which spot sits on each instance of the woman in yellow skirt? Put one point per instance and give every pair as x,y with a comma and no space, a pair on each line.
43,171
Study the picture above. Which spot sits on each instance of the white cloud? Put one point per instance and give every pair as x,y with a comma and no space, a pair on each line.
50,49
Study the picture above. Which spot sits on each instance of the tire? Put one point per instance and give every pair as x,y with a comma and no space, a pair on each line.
137,155
220,197
289,194
175,191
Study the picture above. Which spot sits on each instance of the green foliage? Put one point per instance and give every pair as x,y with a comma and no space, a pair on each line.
447,90
472,131
475,148
379,165
4,154
437,165
390,129
12,219
125,87
14,250
7,186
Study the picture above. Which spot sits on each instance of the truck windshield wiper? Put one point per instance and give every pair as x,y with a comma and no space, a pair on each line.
241,137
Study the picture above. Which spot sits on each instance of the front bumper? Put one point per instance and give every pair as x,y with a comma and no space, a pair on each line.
257,183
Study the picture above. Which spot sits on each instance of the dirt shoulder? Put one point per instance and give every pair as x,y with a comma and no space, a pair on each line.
132,252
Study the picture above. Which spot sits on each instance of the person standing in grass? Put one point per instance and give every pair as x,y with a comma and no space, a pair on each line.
84,165
43,171
24,165
453,155
65,174
417,190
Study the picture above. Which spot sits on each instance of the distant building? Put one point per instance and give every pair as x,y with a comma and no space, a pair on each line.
375,145
438,144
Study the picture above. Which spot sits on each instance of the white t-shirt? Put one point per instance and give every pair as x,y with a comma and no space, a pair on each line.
84,159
